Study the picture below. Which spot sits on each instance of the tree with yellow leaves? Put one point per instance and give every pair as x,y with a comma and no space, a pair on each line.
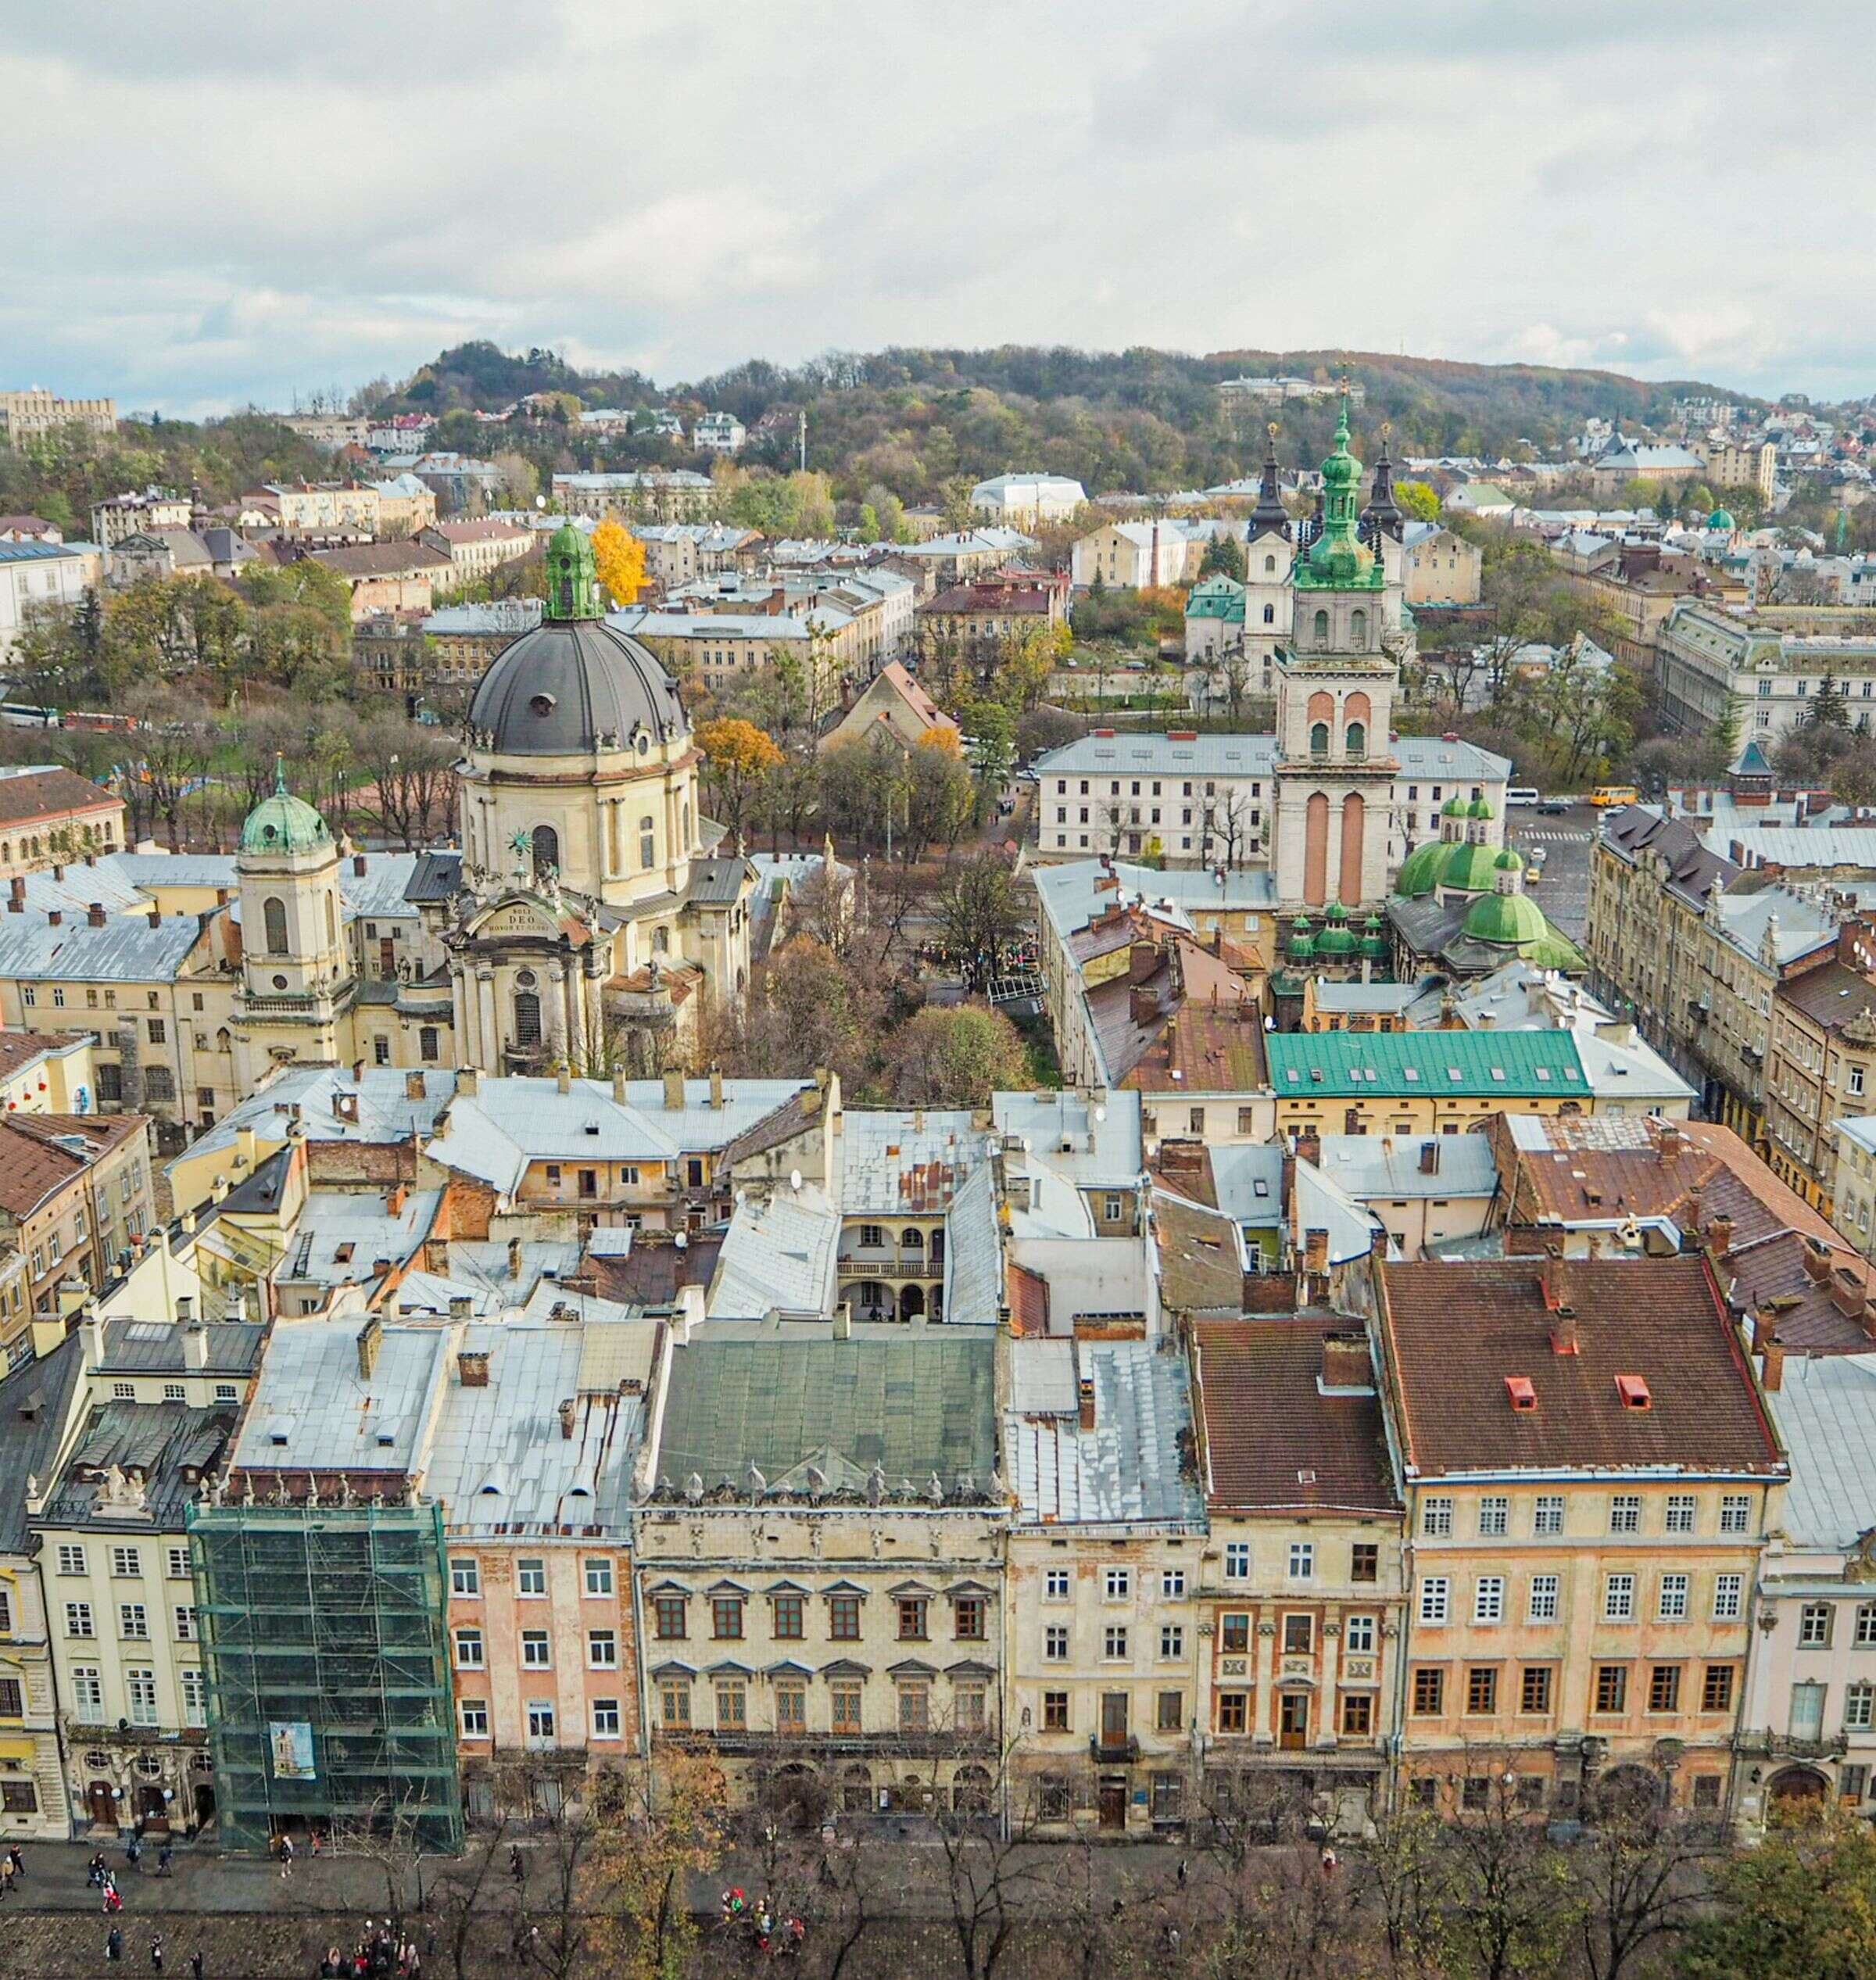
663,1834
619,558
739,758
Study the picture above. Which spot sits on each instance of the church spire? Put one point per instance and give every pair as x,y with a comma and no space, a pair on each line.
1383,511
1269,514
573,584
1338,559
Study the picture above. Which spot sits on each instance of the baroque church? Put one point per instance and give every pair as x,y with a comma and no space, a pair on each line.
587,918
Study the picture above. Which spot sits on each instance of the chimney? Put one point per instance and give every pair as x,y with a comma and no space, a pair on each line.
1672,1141
91,859
472,1368
155,918
1765,1324
195,1335
1771,1367
94,915
618,1089
1143,1005
467,1077
566,1415
1309,1146
716,1087
843,1320
1316,1252
15,900
394,1203
358,1072
673,1090
358,864
1143,959
58,870
1816,1260
1846,1291
459,1305
90,1330
413,1086
689,1313
1084,1397
1345,1363
515,1257
53,917
1430,1156
1720,1236
563,1079
369,1337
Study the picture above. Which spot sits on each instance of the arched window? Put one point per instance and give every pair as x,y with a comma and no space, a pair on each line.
911,1239
1270,564
332,922
527,1018
546,851
1322,625
685,847
274,914
1358,625
648,845
1270,615
426,1044
1319,739
1355,742
661,941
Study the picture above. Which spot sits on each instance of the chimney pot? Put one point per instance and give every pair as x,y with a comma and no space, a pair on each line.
1771,1367
1084,1396
95,914
563,1079
472,1368
369,1337
358,864
155,918
1345,1361
53,917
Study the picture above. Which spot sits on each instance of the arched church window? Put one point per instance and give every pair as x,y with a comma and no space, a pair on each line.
274,915
1270,615
648,848
1270,564
527,1018
1322,625
427,1044
661,941
1355,741
687,839
332,922
546,851
1358,625
1319,739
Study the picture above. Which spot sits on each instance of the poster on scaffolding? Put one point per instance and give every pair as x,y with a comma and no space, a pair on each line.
291,1741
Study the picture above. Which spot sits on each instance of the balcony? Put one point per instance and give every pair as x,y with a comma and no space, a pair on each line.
1113,1749
1788,1747
905,1265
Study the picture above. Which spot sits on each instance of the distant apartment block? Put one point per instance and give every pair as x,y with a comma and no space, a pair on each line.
28,415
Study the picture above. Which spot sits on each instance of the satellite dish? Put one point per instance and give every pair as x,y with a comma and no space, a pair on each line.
794,1179
1100,1113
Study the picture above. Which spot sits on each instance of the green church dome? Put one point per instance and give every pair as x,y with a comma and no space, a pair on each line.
1302,940
284,823
1721,519
1454,807
1509,862
1338,559
1469,868
1337,940
1480,808
1507,920
1420,871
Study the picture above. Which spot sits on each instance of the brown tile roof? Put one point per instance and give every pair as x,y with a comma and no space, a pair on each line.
1199,1271
38,794
1028,1293
1831,996
361,560
651,1273
1185,1022
1185,1167
18,1048
34,1163
1273,1441
1455,1333
991,598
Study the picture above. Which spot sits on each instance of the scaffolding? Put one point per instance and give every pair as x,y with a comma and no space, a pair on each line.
324,1643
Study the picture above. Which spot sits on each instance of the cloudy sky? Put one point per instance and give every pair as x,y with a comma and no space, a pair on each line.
232,202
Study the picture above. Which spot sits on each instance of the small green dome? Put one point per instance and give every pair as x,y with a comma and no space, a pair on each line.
1468,868
1335,912
1509,862
1375,947
1420,871
1506,920
573,584
1337,940
284,823
1721,519
1302,941
1454,807
1479,808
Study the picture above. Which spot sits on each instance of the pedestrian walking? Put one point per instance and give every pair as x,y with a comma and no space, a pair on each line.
113,1946
286,1857
313,1843
7,1876
1182,1873
112,1902
517,1869
156,1955
16,1860
133,1851
196,1966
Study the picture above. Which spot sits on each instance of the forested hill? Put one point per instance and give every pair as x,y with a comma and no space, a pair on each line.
910,418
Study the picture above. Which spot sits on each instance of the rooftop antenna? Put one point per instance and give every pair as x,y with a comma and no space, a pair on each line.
801,431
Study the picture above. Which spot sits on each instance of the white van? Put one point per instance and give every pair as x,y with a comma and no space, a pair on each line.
1522,794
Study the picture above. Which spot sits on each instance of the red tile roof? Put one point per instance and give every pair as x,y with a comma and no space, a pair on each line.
1455,1332
36,794
35,1164
1273,1441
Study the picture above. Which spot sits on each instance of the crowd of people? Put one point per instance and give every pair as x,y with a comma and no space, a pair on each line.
761,1924
381,1953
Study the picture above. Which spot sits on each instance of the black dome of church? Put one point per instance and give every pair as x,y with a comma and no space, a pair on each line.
573,684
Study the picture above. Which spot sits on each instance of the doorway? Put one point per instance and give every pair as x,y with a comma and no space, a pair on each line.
103,1809
1292,1721
1114,1719
1113,1801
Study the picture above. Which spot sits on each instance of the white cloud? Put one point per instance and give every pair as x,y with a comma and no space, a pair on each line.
249,206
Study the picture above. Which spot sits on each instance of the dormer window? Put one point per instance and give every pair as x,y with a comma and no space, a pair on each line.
1524,1396
1634,1392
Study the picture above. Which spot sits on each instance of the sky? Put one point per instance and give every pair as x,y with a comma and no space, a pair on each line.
234,204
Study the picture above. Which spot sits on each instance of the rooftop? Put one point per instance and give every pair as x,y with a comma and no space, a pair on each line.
1520,1065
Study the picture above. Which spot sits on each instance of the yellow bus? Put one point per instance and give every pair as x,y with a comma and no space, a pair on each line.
1606,795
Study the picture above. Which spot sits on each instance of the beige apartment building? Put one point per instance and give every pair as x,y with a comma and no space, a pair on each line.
476,549
32,414
1586,1504
1440,567
327,508
1739,464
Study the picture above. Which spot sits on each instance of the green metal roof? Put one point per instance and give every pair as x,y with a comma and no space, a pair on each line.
1509,919
1218,597
284,823
911,1406
1420,869
1469,868
1506,1065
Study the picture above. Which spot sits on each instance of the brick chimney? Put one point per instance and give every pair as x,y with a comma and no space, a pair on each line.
369,1335
57,872
358,864
1143,1004
1720,1236
155,918
1816,1261
15,898
1846,1291
1346,1363
1143,959
472,1368
1771,1367
1315,1251
413,1086
1765,1324
94,915
1084,1397
1429,1155
1671,1141
53,917
1309,1146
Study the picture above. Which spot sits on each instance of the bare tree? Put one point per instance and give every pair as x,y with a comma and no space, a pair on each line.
412,770
1642,1872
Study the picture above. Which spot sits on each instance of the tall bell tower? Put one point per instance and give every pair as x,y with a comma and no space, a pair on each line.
1335,687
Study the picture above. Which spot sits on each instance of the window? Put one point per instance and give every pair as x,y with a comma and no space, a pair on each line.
843,1704
1117,1583
668,1616
1055,1644
1625,1513
674,1703
1814,1626
535,1655
912,1610
1237,1560
1173,1585
176,1563
274,920
1866,1625
1612,1688
194,1695
1494,1515
843,1618
1673,1597
733,1705
1544,1598
1436,1518
602,1650
126,1563
790,1617
1482,1689
1489,1599
71,1559
1429,1692
1716,1688
1852,1782
1299,1635
427,1043
1358,1716
132,1620
540,1722
1736,1512
1055,1584
1234,1634
531,1576
1114,1640
1619,1599
1535,1688
527,1023
1357,1635
726,1617
469,1656
605,1718
1680,1517
1054,1711
969,1618
1434,1599
466,1577
184,1618
1727,1590
1365,1561
141,1685
1859,1707
1233,1711
791,1705
914,1706
87,1694
78,1619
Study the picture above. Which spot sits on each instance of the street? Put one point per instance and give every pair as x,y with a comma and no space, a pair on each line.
1563,892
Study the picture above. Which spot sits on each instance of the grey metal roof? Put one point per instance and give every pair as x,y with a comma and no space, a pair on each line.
570,684
1236,755
435,877
717,882
973,1253
888,1155
383,889
341,1236
166,1447
126,950
1372,1166
309,1095
1134,1467
1095,1142
312,1409
1824,1408
1238,1168
777,1256
156,1348
33,1400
